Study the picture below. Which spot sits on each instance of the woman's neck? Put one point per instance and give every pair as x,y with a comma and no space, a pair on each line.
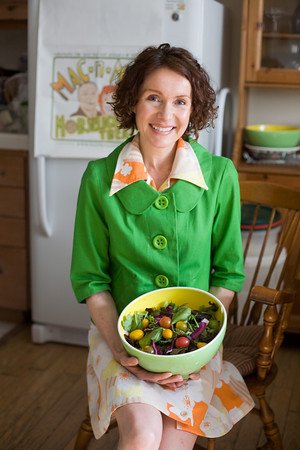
159,163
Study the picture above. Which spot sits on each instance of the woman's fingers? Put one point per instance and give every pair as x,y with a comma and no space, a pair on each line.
164,379
128,361
194,376
160,378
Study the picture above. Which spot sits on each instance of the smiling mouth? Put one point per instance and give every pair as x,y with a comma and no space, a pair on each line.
162,129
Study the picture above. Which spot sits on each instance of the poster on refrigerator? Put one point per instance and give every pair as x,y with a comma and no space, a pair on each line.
82,90
77,72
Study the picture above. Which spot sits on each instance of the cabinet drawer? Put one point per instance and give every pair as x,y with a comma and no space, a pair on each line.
12,232
13,279
12,202
12,171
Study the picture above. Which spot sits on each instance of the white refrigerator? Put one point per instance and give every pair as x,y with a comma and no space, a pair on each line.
71,42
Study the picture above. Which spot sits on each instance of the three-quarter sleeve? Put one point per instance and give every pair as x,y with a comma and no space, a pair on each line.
227,252
90,258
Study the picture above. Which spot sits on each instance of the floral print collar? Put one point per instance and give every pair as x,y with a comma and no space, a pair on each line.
131,168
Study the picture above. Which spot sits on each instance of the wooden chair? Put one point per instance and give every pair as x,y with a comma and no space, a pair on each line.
256,332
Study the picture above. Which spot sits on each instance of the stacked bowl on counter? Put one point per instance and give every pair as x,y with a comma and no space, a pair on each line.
271,143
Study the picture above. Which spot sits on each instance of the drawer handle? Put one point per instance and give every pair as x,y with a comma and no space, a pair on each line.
2,173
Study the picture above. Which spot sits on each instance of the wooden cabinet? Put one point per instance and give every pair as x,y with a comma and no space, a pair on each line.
14,216
270,61
273,55
14,236
12,11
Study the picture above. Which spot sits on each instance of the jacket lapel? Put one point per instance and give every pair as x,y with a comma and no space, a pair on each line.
139,196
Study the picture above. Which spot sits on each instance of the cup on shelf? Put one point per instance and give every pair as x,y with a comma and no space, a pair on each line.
277,20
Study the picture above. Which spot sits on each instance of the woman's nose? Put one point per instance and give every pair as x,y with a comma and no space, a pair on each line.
165,110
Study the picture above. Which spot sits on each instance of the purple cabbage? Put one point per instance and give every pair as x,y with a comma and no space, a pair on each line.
169,309
170,347
199,330
156,348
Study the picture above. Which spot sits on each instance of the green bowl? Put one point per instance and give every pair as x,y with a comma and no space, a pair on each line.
186,363
276,136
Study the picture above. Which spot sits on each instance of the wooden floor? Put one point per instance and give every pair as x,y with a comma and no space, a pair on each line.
43,398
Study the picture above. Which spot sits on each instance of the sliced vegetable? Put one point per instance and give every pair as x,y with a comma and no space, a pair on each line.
199,330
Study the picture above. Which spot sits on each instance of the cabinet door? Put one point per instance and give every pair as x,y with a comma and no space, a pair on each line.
13,278
273,42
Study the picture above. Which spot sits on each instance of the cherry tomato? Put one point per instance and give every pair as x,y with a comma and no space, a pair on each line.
145,322
182,342
201,344
148,349
165,322
167,333
136,335
180,325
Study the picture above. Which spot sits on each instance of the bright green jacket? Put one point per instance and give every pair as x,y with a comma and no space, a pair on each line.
139,239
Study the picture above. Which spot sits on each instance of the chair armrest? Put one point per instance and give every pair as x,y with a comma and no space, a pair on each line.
269,296
272,329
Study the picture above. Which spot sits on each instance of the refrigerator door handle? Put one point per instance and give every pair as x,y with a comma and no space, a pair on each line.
42,197
222,96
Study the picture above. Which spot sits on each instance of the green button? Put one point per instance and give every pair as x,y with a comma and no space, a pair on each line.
160,242
161,202
161,281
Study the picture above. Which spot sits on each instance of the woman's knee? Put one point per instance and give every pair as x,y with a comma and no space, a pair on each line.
140,426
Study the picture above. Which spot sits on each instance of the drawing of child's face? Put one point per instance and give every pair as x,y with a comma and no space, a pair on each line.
105,99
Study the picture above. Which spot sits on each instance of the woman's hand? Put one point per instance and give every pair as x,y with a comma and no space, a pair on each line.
163,379
103,312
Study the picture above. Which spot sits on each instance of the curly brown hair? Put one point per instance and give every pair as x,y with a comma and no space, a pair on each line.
180,61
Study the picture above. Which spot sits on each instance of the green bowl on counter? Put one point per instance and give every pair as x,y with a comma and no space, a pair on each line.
276,136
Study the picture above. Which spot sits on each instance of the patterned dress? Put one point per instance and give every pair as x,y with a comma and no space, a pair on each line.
207,407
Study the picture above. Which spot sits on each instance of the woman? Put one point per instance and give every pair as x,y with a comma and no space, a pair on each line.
158,183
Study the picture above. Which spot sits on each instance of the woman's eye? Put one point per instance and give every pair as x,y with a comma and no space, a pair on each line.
153,98
180,102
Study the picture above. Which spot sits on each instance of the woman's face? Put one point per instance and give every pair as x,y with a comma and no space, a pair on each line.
163,109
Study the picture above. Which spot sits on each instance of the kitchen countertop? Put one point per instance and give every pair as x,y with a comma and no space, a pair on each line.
9,141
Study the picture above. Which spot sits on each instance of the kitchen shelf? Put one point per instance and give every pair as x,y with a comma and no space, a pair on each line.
13,141
280,169
281,35
269,84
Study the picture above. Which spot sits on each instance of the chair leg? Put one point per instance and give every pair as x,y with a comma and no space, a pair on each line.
211,444
85,434
272,433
